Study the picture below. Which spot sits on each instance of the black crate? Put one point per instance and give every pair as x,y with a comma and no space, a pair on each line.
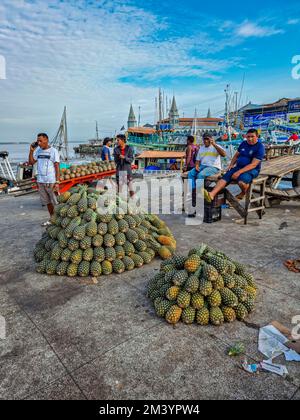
212,214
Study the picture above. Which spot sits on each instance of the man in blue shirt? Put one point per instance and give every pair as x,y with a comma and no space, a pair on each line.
106,155
244,167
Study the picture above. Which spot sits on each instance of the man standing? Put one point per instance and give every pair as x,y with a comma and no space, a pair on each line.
244,167
105,155
190,154
124,157
47,159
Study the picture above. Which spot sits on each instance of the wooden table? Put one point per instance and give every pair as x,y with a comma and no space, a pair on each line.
279,168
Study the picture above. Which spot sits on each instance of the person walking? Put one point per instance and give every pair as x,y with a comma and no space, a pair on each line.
124,157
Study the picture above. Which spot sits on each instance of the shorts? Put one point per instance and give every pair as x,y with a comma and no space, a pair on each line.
47,194
246,177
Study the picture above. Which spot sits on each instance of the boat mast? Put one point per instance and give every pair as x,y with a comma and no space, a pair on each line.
97,132
60,141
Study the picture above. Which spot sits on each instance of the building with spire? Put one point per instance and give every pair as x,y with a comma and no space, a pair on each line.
174,115
132,122
209,113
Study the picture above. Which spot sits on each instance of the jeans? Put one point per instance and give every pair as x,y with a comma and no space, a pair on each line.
204,172
246,177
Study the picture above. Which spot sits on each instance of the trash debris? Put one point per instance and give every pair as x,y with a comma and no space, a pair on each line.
254,368
272,367
236,350
272,343
293,265
283,225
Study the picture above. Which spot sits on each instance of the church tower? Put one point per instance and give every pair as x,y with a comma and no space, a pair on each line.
132,122
174,114
209,113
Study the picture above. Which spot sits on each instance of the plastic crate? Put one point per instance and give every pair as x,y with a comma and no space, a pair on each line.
212,214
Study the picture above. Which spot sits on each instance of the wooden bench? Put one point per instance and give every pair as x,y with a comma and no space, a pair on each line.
254,200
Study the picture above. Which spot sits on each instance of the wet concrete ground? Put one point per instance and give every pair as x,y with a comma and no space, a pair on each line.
71,339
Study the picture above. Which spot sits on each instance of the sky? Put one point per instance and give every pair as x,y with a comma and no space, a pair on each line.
98,56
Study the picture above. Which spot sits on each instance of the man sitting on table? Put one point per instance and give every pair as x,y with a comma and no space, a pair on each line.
244,167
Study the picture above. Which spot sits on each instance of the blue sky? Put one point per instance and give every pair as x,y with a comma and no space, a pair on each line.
96,57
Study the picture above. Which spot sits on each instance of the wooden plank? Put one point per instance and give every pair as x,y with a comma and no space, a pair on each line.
281,166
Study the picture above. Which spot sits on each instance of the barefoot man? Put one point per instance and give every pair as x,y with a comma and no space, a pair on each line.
244,167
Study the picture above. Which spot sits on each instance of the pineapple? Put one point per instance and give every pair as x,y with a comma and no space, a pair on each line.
173,315
162,306
229,298
240,293
102,229
97,240
120,253
99,254
241,312
216,316
214,299
51,267
180,277
228,313
120,239
79,233
118,266
88,254
86,243
205,287
129,263
183,299
172,293
76,256
210,273
110,254
188,315
192,264
197,301
96,269
84,269
109,240
132,236
106,268
113,227
202,316
91,229
138,261
66,255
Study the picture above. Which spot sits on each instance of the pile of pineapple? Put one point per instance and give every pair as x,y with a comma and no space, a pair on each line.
206,287
77,171
83,241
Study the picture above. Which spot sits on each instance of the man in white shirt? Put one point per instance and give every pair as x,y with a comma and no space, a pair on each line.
47,159
208,161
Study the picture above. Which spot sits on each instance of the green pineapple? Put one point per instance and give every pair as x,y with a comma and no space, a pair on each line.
39,254
197,301
180,277
106,268
173,315
51,267
138,261
88,254
131,221
214,299
179,261
109,240
63,198
56,253
63,212
228,313
128,263
76,256
89,215
73,212
96,269
62,240
188,315
118,266
91,229
132,236
141,234
102,229
74,199
229,298
240,269
120,239
249,304
84,269
66,255
219,284
250,280
210,273
192,263
162,306
120,253
110,254
129,249
147,258
42,267
140,246
92,203
241,312
219,263
240,282
73,245
205,287
123,226
183,299
113,227
65,222
202,316
82,205
86,243
97,240
99,254
62,268
229,281
79,233
240,293
216,316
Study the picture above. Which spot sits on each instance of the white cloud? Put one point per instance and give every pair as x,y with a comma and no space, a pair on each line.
293,21
249,29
